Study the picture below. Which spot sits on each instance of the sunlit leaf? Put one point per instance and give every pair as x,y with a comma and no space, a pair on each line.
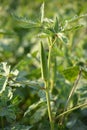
5,70
76,18
73,28
6,32
25,22
84,73
71,73
63,38
42,13
43,35
33,107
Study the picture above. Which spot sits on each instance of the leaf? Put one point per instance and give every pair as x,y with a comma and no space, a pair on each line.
26,22
63,38
33,107
84,73
42,95
30,26
3,111
44,66
76,125
49,32
56,26
82,93
73,28
36,85
47,20
42,35
42,13
22,19
4,72
69,25
3,83
71,73
76,18
38,115
18,127
6,32
10,115
7,111
7,94
5,69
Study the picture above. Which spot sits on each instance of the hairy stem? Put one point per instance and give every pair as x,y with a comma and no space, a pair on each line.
71,94
49,106
73,89
47,84
72,109
49,59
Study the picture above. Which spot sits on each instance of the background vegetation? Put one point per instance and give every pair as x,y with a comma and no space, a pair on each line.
22,96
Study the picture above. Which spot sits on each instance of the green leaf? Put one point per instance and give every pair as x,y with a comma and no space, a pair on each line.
76,18
42,13
3,110
4,72
6,32
3,83
4,69
10,115
22,19
73,28
44,66
84,73
30,26
17,126
33,107
76,125
56,26
62,37
7,94
31,84
49,32
71,73
25,22
38,115
43,35
82,92
42,95
47,20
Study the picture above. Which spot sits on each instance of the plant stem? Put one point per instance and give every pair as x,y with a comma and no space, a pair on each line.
47,83
49,62
2,123
73,89
49,58
71,94
49,106
72,109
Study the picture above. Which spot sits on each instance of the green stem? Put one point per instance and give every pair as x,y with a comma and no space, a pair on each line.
72,109
71,94
73,90
49,106
49,58
47,83
49,62
2,123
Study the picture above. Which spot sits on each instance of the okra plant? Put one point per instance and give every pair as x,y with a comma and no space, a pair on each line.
54,40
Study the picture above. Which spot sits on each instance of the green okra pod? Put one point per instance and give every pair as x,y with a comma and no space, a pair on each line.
44,65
